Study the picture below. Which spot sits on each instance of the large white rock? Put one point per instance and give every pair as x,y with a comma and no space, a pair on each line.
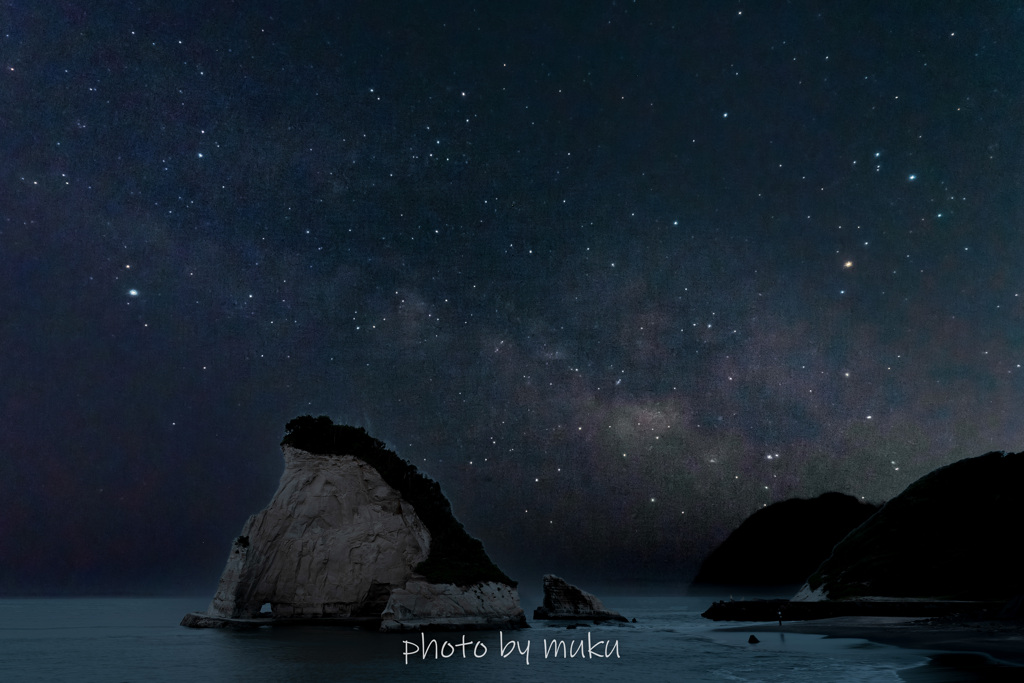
337,542
333,542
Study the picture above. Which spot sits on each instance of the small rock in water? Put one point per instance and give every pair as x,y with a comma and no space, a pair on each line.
753,639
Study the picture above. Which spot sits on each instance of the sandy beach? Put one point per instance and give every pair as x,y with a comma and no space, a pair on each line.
954,645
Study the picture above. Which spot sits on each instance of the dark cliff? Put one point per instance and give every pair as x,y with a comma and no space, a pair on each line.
952,534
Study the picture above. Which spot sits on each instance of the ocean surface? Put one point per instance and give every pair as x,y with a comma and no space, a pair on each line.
139,639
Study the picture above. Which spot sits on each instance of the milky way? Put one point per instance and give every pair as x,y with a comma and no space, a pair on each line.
615,275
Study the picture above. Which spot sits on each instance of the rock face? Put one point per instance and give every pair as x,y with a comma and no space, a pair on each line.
334,541
782,544
954,534
565,601
341,542
421,605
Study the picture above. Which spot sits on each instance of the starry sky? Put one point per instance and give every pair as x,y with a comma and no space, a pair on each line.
616,274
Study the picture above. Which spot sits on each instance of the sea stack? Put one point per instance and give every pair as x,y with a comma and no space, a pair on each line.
356,535
562,600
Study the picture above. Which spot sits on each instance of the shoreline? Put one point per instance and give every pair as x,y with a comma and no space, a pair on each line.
1000,640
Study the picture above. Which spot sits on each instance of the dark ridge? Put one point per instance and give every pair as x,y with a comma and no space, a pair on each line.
455,556
782,544
953,534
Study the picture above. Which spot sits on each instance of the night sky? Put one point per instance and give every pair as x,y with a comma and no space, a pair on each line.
616,274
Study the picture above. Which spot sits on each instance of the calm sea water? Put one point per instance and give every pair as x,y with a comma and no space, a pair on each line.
139,639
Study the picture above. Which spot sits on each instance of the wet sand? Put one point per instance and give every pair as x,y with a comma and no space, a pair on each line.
963,649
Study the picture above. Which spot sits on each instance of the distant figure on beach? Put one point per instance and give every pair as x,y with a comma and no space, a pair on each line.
780,617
